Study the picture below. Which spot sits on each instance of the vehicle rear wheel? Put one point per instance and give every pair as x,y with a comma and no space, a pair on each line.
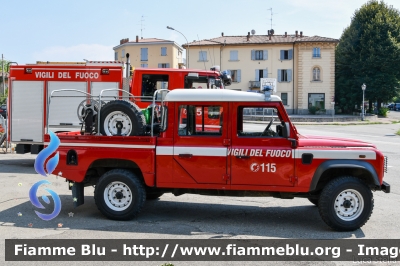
346,203
119,195
122,118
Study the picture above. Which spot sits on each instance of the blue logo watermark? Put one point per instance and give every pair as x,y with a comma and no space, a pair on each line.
50,166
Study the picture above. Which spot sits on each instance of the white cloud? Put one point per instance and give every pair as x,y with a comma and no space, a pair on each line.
91,52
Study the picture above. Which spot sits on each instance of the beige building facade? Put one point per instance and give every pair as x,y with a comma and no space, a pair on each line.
150,53
304,67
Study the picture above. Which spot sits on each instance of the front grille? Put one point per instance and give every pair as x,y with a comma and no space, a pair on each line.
385,164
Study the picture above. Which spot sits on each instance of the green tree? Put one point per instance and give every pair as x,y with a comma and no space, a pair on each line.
369,52
3,64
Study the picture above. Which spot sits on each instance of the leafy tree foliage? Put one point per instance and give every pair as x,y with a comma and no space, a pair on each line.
369,52
4,64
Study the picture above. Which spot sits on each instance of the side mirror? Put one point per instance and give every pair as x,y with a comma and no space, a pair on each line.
286,134
286,130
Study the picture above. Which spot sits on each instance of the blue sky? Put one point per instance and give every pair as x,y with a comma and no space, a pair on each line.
74,30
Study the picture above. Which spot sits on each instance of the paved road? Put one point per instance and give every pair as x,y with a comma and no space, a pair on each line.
193,216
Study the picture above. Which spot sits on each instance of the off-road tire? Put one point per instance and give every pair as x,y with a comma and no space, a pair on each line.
334,200
314,201
123,184
133,120
153,195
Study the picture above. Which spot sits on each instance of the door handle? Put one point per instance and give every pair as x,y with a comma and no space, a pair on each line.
185,155
243,157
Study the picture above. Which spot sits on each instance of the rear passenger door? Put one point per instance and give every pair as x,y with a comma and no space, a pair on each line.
200,147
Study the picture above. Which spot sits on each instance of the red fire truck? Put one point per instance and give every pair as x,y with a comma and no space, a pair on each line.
241,158
79,85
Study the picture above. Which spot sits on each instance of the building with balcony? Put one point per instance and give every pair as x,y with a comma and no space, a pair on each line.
303,66
150,52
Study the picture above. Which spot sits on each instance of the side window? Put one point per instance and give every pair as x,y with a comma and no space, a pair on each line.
195,120
151,83
116,56
269,123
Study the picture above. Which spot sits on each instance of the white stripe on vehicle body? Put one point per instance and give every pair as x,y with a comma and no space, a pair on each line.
201,151
101,145
164,150
337,154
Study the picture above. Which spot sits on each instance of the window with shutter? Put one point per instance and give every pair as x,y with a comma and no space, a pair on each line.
163,51
257,77
143,54
284,98
202,56
284,75
265,54
259,54
316,52
286,54
116,56
233,55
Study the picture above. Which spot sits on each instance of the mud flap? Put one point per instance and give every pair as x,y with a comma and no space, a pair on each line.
77,194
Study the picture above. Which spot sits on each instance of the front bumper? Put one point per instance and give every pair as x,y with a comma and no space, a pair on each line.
385,187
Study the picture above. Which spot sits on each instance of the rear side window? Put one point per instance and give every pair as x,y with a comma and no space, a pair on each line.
197,120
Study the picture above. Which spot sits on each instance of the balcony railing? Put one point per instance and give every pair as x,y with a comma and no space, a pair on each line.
254,84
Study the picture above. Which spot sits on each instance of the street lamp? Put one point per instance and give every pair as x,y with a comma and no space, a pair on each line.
187,54
363,87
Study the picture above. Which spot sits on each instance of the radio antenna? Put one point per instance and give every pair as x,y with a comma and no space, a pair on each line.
141,27
271,16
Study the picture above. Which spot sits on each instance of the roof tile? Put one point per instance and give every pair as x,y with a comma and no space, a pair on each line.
261,39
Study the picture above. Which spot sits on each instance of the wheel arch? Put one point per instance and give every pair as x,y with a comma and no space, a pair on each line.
335,168
100,166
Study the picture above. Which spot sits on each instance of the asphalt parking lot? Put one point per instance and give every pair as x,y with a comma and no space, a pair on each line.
194,216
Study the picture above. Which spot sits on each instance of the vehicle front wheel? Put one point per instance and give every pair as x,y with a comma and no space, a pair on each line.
120,195
346,203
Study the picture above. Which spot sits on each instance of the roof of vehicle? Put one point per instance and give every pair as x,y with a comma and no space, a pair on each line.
215,95
190,70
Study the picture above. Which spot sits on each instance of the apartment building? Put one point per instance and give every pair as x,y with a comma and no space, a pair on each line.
303,66
150,52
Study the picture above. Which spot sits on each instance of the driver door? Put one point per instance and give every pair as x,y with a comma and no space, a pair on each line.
260,155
